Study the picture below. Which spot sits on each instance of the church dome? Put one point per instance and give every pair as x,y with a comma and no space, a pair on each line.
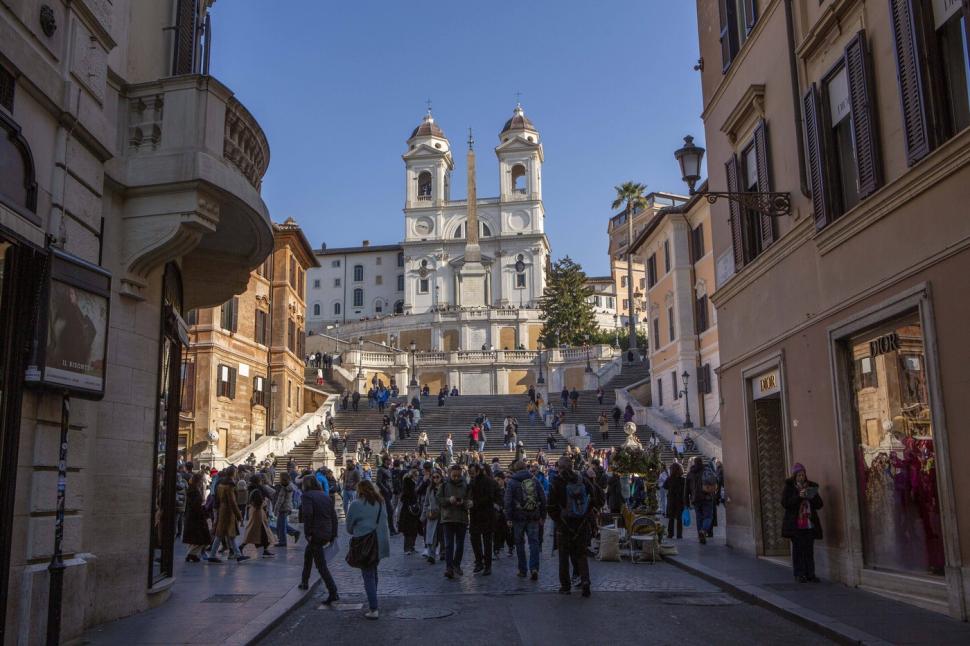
518,121
428,128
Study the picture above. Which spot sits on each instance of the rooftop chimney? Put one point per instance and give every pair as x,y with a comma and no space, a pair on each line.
366,243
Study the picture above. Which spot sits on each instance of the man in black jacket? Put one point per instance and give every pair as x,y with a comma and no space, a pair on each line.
319,517
485,496
573,500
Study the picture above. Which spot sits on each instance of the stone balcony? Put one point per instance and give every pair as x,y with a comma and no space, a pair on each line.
192,165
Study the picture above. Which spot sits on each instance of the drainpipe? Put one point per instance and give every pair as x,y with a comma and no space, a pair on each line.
796,99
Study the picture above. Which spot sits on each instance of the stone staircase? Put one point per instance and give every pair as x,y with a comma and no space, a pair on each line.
458,413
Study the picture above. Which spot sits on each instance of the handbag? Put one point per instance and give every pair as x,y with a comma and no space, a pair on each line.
685,517
363,551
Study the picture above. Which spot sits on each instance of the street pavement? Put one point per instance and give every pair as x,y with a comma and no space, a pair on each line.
644,603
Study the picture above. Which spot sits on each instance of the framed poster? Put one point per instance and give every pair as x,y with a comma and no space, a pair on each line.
74,334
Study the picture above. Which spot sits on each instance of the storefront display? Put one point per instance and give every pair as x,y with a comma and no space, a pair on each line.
895,450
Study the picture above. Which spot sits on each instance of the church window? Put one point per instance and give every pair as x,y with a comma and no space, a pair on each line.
358,297
423,286
458,231
486,232
520,280
424,186
379,306
316,309
358,273
336,309
518,179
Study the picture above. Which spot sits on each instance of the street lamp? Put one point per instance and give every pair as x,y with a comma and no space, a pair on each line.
542,380
771,204
687,423
414,374
589,368
360,358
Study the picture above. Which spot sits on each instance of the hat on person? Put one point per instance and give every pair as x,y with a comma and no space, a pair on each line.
798,467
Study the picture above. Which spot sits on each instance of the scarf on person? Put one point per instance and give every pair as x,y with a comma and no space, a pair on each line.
804,520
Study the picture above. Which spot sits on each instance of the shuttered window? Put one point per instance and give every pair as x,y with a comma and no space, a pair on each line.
225,381
697,243
672,330
652,270
186,37
666,256
656,329
229,315
291,336
702,322
909,71
260,395
704,379
765,224
841,135
734,186
262,327
660,392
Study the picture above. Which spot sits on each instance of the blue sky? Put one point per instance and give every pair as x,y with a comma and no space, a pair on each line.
338,87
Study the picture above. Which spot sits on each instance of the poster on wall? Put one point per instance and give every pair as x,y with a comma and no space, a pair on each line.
74,337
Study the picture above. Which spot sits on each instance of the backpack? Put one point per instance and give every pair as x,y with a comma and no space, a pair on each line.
529,496
577,500
709,482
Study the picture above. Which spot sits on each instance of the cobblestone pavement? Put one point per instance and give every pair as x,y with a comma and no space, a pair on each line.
644,603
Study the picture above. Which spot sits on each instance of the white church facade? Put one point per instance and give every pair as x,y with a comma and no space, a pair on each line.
460,291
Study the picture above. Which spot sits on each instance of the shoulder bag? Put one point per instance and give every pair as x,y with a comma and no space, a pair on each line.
363,551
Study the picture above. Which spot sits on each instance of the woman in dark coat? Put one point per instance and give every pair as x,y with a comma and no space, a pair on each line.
409,521
801,524
195,533
675,484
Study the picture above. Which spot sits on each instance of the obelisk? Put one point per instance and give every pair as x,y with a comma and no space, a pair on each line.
471,277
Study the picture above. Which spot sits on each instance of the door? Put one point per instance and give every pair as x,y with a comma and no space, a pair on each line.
771,473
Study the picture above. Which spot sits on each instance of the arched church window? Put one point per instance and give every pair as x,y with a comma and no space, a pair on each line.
518,179
459,232
336,309
486,232
424,185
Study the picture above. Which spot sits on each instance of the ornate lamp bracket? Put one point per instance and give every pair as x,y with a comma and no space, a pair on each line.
773,205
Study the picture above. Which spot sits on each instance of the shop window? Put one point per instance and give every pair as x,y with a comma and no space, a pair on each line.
932,67
895,449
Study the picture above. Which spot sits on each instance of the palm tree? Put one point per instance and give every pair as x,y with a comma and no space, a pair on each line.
631,194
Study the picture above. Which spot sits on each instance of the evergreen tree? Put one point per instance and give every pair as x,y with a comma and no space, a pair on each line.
566,307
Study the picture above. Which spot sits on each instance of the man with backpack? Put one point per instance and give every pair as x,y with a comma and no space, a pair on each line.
525,510
701,488
572,500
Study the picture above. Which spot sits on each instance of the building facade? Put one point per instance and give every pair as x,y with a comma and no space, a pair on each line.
676,252
417,289
243,373
130,194
355,283
621,236
603,301
842,326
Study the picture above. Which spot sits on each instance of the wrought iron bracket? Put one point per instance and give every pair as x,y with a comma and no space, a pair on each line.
773,205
